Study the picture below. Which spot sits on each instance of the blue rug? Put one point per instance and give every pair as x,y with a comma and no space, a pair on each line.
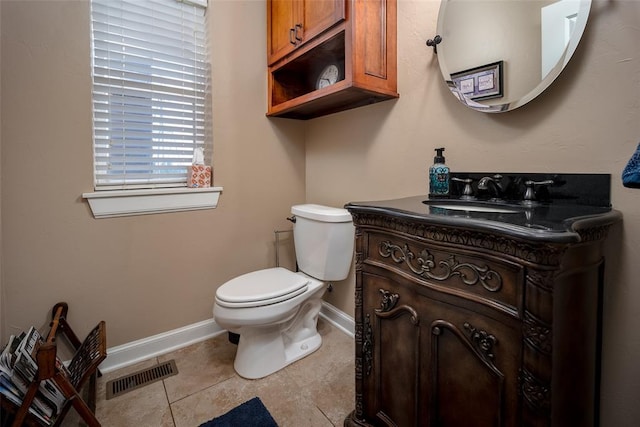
251,413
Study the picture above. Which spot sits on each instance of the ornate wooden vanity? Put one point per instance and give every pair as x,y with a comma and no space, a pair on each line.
467,319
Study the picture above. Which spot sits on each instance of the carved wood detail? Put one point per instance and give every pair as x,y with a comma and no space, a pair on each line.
388,300
367,345
358,254
537,253
541,279
470,274
482,340
535,391
537,333
481,345
413,314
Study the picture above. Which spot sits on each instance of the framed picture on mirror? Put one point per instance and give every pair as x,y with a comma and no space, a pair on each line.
478,83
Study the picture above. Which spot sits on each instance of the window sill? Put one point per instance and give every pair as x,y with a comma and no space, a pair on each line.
109,204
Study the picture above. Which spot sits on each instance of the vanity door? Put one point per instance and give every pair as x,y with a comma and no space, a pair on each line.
391,352
471,368
436,362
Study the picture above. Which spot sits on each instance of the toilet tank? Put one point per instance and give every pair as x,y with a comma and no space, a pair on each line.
324,239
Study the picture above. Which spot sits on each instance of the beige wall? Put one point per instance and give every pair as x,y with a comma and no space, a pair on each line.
588,121
151,274
147,274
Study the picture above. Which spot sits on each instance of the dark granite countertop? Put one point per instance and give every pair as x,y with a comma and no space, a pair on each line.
556,221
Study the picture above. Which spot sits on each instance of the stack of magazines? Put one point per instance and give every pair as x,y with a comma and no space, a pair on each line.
18,369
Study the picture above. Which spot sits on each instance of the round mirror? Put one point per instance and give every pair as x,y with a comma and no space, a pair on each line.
497,55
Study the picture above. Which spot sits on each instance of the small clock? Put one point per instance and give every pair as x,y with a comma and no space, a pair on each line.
328,76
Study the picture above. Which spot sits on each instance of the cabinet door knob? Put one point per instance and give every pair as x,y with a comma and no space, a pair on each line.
297,35
292,36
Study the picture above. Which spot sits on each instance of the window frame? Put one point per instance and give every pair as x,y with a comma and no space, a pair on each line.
108,201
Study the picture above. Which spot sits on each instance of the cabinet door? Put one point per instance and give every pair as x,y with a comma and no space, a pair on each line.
473,364
292,23
392,348
281,15
317,16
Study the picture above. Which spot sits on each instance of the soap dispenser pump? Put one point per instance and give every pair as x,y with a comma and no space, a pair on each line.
438,176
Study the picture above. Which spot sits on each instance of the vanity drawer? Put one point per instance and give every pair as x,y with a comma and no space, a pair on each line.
468,274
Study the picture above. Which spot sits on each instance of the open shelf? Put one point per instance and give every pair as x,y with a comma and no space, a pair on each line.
298,77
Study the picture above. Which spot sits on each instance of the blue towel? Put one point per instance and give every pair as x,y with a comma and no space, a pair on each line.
631,173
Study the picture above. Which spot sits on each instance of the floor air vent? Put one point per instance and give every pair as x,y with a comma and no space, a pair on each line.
141,378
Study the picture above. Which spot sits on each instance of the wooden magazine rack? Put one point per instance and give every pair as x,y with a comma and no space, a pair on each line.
83,368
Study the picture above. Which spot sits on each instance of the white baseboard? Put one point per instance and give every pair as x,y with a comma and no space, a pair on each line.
338,318
136,351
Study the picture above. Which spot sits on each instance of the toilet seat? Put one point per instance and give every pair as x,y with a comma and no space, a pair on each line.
262,287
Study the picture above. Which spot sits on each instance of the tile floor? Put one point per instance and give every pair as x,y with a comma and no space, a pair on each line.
317,391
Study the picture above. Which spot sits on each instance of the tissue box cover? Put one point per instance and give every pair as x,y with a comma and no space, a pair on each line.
199,176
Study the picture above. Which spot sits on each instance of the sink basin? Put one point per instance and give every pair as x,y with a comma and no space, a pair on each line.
469,207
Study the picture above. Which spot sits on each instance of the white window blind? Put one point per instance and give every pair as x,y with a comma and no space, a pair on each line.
150,82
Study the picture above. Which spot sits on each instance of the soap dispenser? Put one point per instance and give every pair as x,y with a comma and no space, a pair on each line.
438,176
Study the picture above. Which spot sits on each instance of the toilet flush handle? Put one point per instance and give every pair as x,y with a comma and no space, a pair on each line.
292,218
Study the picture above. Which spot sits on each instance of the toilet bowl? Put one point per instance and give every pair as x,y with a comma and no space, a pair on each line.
275,311
272,334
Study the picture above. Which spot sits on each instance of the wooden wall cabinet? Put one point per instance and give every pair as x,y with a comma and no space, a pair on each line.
291,23
304,36
457,327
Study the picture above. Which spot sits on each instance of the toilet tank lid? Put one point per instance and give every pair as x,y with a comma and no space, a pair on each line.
322,213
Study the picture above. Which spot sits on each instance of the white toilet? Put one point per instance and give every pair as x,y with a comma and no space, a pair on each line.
275,310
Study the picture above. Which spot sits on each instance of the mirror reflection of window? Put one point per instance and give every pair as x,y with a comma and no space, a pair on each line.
558,21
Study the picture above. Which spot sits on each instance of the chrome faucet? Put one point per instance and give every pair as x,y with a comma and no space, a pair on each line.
492,184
